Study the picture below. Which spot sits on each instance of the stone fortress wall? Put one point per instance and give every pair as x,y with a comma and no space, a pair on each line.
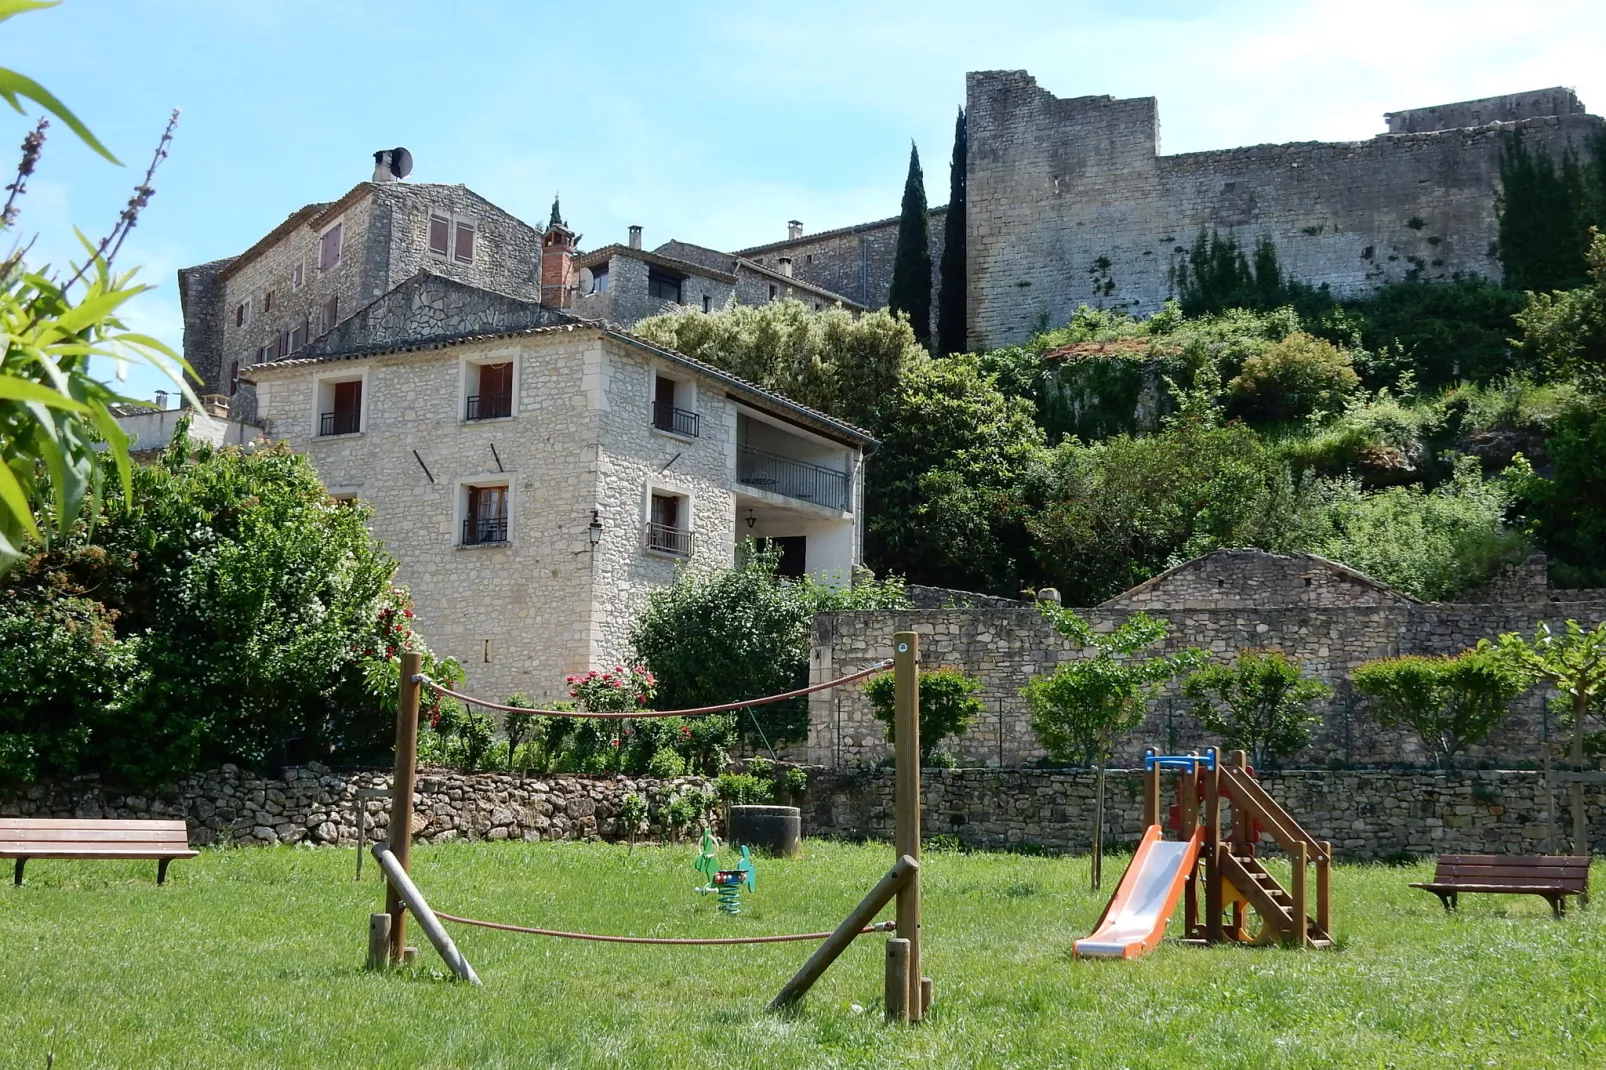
1328,617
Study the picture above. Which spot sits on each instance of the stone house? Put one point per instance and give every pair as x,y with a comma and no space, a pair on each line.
537,474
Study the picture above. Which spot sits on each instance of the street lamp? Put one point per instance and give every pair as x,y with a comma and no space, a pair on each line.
594,530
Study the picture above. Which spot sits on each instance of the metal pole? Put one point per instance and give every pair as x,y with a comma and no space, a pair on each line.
413,899
906,796
401,796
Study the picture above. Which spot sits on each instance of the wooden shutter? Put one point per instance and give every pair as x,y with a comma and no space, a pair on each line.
348,397
464,253
440,232
496,381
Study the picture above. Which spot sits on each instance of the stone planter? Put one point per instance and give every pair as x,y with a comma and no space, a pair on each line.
777,830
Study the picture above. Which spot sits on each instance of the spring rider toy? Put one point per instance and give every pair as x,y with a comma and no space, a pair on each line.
727,883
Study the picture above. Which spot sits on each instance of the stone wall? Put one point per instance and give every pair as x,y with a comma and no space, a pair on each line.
315,805
1070,201
1365,815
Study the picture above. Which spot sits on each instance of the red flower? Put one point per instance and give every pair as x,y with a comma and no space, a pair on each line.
407,613
615,742
685,732
592,674
641,700
573,693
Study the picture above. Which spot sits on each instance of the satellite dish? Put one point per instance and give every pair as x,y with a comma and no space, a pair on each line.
401,162
587,280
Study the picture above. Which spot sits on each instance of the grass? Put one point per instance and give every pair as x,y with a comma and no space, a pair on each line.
253,958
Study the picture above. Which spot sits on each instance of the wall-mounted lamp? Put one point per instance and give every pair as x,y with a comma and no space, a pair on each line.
751,519
594,530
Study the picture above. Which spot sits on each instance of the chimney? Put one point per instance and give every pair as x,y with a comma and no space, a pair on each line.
784,263
215,405
794,230
557,266
382,171
635,236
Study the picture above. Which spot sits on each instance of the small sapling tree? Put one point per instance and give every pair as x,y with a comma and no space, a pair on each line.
1573,663
632,816
517,726
1260,703
1083,707
949,704
1450,702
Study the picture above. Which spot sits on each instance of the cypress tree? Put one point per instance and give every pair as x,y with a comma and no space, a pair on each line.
911,264
951,297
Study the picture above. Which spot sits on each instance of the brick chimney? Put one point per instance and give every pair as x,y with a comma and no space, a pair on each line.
784,264
635,236
557,266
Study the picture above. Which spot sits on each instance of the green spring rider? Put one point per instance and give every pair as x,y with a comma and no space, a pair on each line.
726,883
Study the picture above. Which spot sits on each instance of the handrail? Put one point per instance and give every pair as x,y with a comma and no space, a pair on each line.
1248,792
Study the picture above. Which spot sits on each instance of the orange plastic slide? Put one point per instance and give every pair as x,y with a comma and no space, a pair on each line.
1135,920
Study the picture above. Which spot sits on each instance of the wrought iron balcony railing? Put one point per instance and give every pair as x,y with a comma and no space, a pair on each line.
795,479
669,540
481,529
341,422
489,406
665,417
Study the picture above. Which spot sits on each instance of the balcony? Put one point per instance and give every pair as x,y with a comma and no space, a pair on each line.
340,422
669,540
489,406
807,482
484,529
665,417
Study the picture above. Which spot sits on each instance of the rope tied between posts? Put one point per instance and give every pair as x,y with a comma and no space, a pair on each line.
878,927
636,715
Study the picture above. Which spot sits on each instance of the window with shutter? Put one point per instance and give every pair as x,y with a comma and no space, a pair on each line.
440,232
296,277
464,252
295,338
331,313
329,248
267,301
234,377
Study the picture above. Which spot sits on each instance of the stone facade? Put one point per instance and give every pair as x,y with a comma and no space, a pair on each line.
1069,201
1365,815
538,600
317,806
1221,603
626,299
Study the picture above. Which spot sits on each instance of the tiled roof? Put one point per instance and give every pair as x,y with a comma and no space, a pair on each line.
838,232
608,252
794,281
762,397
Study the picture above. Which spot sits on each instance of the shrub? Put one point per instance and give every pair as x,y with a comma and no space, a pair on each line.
1450,702
633,816
795,782
743,789
1260,703
1299,376
518,726
948,705
665,764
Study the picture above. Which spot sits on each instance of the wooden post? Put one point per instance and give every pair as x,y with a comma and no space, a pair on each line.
862,915
401,795
1188,803
1097,868
925,996
1299,860
1576,757
378,941
1212,849
413,899
1324,890
1151,792
906,676
897,997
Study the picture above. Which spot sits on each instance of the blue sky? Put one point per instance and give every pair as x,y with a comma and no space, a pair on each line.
711,123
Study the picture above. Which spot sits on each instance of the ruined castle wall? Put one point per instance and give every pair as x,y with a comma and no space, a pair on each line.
1070,203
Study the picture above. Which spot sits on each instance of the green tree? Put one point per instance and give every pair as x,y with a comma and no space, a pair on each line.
911,262
1565,332
1260,703
828,360
518,726
954,282
727,634
1215,274
1566,512
943,494
1082,708
1574,663
1543,218
1297,377
1450,702
949,704
53,409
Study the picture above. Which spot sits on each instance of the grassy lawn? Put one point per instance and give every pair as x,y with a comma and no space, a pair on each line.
253,958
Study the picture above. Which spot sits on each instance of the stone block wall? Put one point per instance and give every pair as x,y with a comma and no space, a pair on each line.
314,805
1365,815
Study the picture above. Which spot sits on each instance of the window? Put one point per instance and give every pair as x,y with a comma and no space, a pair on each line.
492,391
331,313
818,306
464,251
452,237
440,234
772,291
340,406
294,338
485,514
296,277
270,351
665,531
708,303
234,381
599,279
267,302
662,285
666,415
242,313
329,248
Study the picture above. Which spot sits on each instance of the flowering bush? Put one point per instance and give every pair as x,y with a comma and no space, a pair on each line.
617,691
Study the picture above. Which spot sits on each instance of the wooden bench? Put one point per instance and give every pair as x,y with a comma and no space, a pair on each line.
23,838
1552,877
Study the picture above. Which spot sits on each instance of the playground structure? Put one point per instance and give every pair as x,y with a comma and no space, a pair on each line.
1225,863
908,992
